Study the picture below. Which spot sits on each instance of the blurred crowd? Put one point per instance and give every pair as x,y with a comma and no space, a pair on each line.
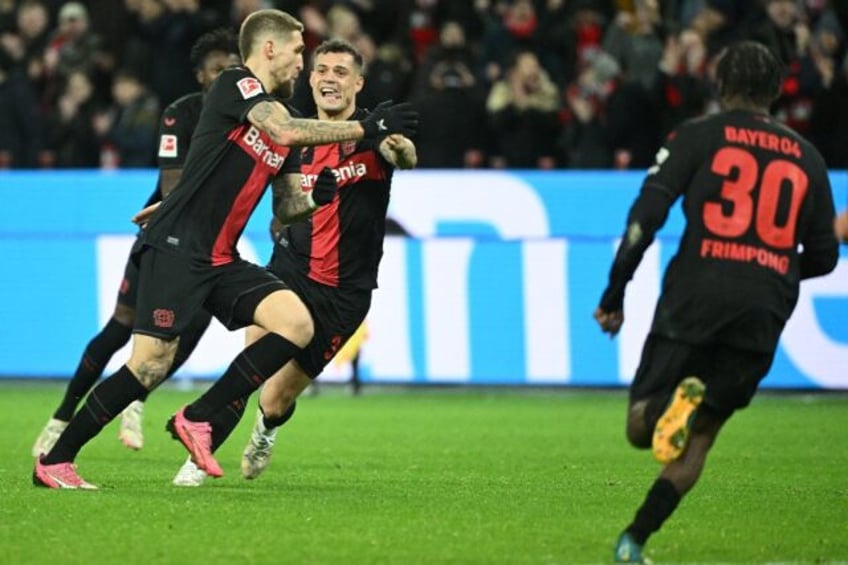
537,84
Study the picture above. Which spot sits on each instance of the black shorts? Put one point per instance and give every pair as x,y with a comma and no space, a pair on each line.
731,375
128,291
336,314
172,289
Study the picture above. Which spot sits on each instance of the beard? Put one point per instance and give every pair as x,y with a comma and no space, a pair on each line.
285,90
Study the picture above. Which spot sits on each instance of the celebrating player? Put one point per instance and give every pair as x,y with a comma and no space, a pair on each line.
211,54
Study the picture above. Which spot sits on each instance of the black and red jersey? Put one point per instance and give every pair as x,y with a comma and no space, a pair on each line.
227,170
176,127
754,192
342,243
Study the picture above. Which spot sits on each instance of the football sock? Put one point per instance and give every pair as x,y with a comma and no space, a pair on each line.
271,423
106,401
246,373
661,501
95,357
225,421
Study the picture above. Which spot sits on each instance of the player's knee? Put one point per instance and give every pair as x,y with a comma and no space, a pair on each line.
638,436
124,315
150,365
297,327
637,430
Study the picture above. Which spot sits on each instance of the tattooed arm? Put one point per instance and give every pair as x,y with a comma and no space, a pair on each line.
292,202
274,119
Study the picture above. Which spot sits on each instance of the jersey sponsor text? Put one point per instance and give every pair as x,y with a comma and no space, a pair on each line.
350,172
264,151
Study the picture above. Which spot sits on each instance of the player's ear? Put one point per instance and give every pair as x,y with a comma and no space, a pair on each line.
268,48
360,82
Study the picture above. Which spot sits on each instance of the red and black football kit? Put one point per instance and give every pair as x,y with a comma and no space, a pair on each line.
175,129
331,260
753,192
187,254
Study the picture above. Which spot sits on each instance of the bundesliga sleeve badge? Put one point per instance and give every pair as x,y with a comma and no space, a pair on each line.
168,146
249,87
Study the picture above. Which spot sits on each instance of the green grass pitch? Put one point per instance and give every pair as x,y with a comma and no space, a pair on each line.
433,476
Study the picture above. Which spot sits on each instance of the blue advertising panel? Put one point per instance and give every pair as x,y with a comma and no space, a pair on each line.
495,285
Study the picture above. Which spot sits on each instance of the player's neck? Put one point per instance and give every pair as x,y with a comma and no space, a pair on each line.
338,116
730,104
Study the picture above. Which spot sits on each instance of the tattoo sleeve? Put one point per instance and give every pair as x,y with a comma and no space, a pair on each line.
275,120
290,201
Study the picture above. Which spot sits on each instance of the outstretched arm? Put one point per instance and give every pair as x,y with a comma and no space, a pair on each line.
274,119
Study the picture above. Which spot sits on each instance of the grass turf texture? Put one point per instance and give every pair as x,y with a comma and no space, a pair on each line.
432,476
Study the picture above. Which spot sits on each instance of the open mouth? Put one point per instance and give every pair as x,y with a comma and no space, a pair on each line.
330,94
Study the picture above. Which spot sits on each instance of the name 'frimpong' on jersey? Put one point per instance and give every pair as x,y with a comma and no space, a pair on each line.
228,168
342,243
753,191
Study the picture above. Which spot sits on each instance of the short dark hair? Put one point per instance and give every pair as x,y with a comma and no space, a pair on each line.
265,21
749,71
337,45
218,40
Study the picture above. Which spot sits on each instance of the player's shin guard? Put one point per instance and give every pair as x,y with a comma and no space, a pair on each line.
106,401
95,357
660,503
253,366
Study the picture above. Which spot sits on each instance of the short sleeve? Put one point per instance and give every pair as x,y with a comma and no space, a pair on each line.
175,130
234,93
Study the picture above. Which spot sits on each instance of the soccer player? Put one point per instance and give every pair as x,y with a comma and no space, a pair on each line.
187,256
212,53
753,191
331,260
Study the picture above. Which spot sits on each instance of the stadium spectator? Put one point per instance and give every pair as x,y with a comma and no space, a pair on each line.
450,99
28,43
721,311
129,126
522,109
635,40
73,47
71,140
681,88
571,35
21,129
169,28
389,71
